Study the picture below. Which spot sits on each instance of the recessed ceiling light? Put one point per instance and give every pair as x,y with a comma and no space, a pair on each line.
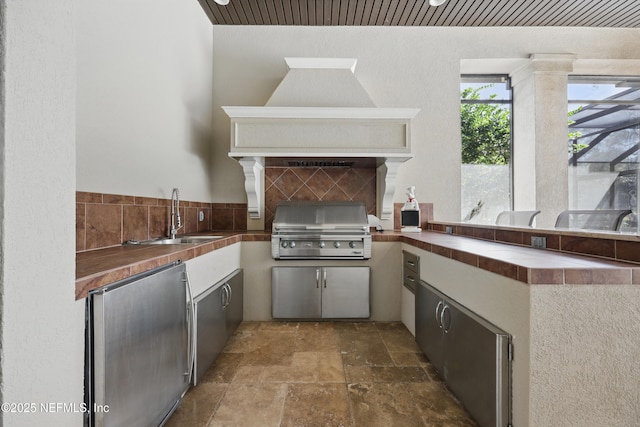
436,2
222,2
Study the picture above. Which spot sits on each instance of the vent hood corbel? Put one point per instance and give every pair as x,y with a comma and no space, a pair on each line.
320,109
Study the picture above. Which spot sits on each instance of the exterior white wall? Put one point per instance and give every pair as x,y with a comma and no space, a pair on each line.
584,362
42,326
144,98
399,67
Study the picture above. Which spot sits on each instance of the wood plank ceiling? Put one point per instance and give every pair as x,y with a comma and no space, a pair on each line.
464,13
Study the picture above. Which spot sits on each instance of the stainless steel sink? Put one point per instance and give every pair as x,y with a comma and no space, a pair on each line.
181,240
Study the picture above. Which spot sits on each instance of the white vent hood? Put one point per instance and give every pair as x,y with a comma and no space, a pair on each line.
320,109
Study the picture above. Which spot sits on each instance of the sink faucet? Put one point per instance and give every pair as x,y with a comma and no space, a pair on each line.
176,223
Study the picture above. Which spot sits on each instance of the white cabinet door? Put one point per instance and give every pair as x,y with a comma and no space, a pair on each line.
345,292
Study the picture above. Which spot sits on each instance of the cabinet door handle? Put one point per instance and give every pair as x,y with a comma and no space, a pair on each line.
191,356
324,277
229,292
317,278
438,306
444,328
225,296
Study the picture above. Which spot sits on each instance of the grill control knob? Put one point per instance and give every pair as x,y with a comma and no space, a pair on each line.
336,244
284,244
321,244
292,244
352,245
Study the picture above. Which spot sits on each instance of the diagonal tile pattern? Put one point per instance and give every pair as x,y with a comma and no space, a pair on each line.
318,183
320,374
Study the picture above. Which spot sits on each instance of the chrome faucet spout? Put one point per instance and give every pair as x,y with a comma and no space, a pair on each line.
176,222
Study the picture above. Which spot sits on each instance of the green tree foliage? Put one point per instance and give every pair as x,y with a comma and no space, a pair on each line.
574,145
486,130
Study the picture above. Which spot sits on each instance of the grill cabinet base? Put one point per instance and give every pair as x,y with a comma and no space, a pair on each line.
320,292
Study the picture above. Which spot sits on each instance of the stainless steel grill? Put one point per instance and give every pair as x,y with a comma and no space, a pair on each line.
320,230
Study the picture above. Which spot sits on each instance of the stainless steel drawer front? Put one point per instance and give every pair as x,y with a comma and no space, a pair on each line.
410,270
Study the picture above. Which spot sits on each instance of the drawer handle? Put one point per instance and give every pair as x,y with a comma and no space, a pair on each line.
410,278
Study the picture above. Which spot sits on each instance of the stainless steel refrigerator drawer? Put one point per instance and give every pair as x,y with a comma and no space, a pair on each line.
139,363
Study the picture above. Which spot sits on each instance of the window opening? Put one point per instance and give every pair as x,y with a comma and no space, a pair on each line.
486,129
603,145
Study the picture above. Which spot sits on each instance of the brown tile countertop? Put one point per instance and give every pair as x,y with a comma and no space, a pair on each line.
98,268
532,266
525,264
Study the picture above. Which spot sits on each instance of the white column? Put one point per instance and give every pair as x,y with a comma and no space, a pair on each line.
540,136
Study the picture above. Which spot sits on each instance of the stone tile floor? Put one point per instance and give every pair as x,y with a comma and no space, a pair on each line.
320,374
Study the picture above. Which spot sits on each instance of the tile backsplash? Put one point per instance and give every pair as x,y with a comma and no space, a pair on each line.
318,183
104,220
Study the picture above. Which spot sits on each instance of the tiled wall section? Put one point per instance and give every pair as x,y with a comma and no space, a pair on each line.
626,249
318,183
104,220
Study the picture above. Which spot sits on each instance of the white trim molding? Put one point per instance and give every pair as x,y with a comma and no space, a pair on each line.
253,168
322,63
386,176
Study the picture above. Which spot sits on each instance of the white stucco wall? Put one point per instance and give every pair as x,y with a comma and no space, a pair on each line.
144,98
399,67
584,355
42,326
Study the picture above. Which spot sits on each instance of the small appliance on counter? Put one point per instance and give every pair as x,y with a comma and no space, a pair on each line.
410,213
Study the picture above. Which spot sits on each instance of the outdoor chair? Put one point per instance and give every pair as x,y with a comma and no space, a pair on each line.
516,218
604,219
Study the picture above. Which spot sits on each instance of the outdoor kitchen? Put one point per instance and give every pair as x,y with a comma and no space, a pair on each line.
257,212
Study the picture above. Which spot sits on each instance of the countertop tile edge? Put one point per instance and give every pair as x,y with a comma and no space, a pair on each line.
617,273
